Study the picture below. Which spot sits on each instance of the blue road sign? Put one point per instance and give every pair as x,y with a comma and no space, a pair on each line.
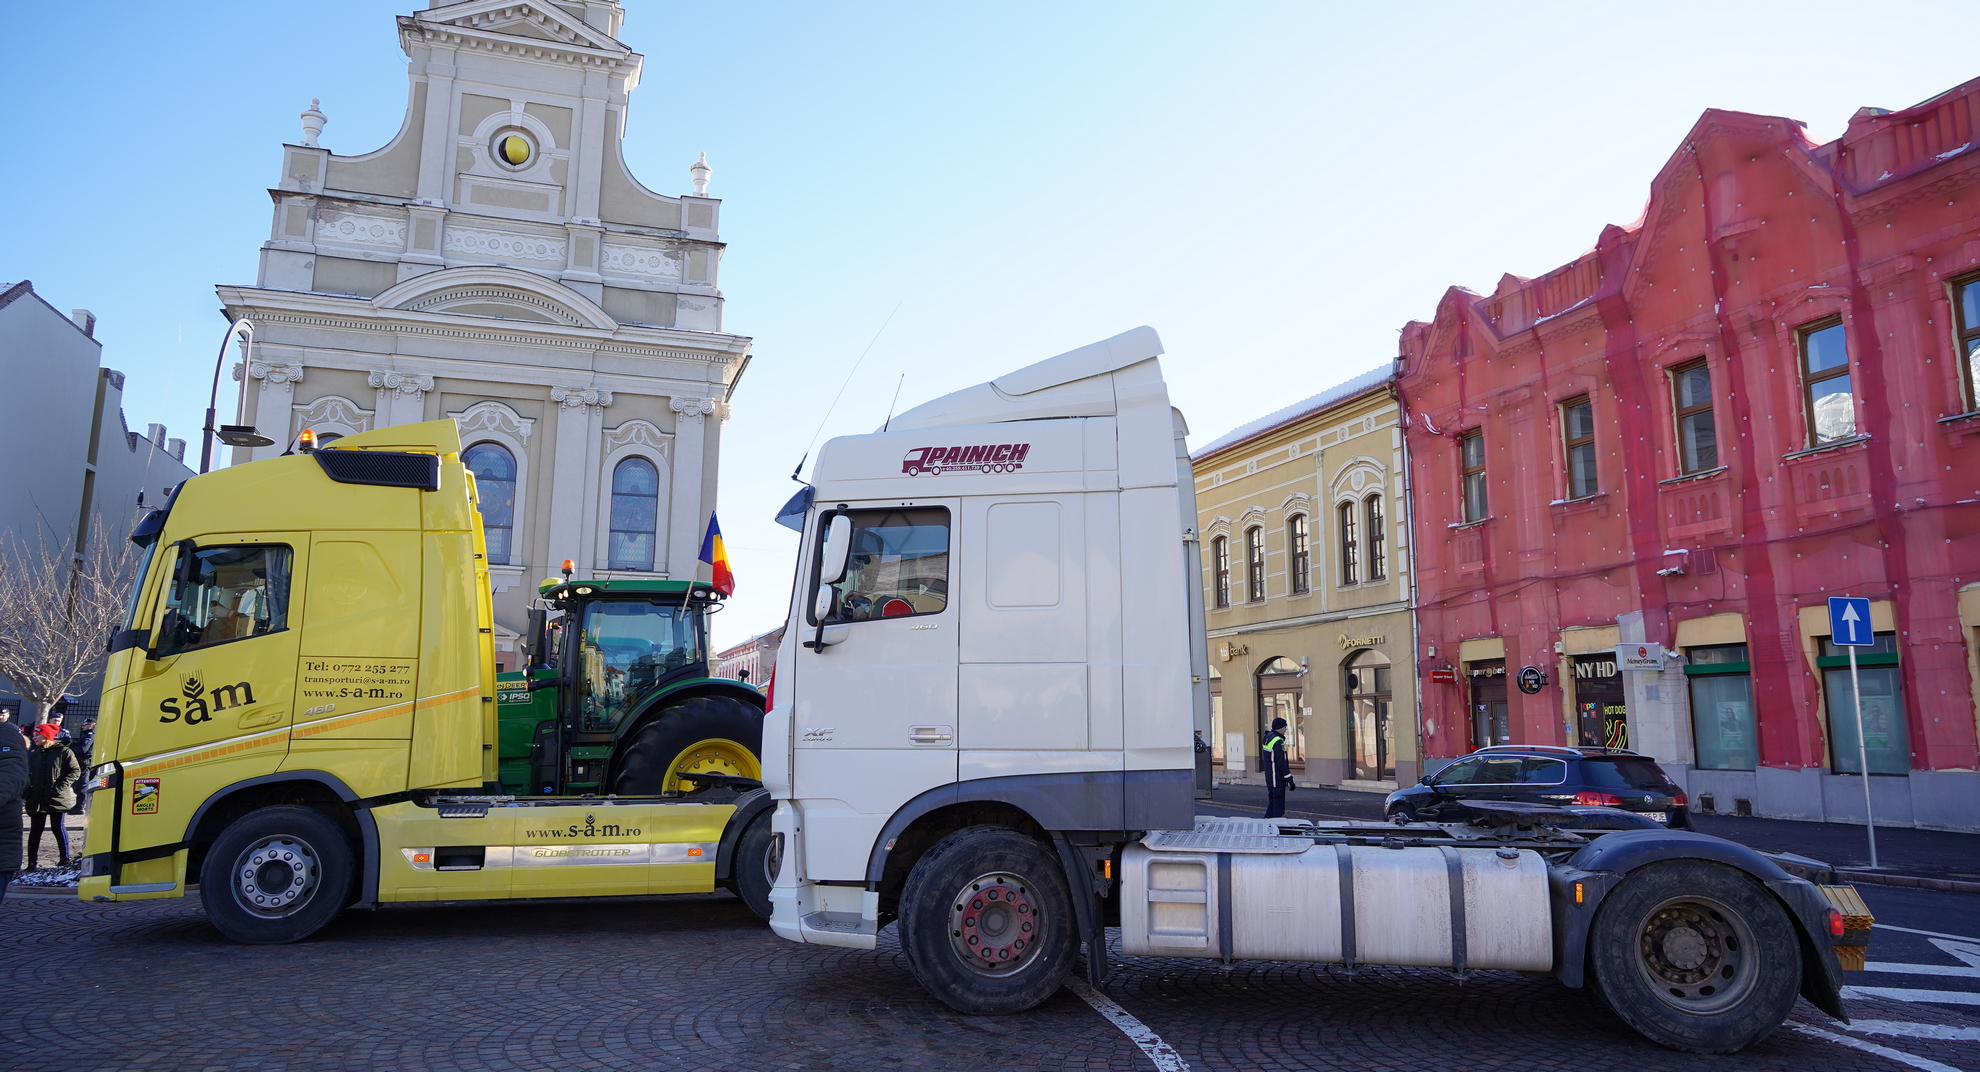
1849,622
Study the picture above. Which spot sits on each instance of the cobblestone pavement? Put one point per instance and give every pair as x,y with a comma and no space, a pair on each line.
697,983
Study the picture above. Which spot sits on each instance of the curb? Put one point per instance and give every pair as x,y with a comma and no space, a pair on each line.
1872,878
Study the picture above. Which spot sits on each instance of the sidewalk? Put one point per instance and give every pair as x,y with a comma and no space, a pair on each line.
1927,859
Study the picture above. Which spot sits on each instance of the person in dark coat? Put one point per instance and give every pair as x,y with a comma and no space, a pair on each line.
13,782
1278,770
85,744
51,792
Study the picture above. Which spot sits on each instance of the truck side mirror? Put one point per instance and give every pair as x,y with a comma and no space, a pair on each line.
826,602
182,570
533,638
168,631
838,549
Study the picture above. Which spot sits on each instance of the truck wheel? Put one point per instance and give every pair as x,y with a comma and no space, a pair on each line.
754,869
1696,956
708,734
276,876
987,922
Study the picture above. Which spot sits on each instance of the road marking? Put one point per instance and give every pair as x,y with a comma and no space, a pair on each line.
1929,934
1924,1064
1922,969
1164,1055
1894,993
1903,1029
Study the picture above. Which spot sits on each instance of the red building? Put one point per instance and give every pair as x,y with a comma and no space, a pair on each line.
1761,395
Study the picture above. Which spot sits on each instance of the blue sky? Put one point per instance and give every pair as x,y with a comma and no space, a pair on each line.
1276,188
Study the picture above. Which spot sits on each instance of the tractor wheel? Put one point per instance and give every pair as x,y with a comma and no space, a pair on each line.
1696,956
708,734
753,871
987,921
277,875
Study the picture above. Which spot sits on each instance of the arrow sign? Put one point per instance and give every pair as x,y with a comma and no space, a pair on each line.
1849,622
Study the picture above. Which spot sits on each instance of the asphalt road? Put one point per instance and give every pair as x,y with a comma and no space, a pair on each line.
697,983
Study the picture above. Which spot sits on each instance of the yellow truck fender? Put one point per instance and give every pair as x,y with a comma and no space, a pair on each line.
748,806
315,788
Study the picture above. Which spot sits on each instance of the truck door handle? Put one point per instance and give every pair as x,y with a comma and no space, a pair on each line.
930,734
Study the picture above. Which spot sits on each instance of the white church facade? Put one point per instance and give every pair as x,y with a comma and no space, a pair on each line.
497,263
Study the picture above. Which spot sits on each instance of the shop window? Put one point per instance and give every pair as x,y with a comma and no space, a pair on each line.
1254,565
1722,721
1349,544
1601,717
1220,557
1885,738
1966,311
1578,436
1698,440
1471,458
1491,718
1300,568
1378,556
494,470
1826,383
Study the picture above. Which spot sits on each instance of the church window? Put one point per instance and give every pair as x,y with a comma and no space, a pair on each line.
494,470
635,507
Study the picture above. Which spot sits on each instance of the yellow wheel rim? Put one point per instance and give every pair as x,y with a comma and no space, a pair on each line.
715,755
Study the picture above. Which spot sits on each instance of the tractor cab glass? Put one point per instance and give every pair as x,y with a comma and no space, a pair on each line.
625,648
225,593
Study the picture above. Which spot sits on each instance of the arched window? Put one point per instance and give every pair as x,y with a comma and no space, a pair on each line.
1281,688
635,507
1350,566
1220,556
494,470
1254,565
1300,568
1378,558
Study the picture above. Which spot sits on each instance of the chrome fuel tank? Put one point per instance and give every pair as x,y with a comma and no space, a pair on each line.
1238,890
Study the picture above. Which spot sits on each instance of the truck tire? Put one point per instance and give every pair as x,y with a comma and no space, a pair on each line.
276,875
987,921
754,870
1696,956
716,734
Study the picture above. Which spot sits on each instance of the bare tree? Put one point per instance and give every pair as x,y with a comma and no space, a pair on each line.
57,611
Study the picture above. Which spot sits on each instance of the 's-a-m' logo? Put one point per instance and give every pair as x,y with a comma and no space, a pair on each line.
985,458
196,707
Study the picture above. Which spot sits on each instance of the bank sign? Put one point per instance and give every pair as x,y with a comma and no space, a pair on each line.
1647,657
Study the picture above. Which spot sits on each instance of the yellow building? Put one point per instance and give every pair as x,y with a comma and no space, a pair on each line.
1306,584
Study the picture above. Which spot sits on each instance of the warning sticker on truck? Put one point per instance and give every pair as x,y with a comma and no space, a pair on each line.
144,796
357,683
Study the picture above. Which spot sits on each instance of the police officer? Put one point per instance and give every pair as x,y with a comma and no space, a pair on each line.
1278,770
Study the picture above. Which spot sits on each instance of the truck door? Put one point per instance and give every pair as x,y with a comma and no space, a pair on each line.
221,673
874,721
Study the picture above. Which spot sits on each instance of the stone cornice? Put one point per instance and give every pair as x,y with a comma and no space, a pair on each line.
308,309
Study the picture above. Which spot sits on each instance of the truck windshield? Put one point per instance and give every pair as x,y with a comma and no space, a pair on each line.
626,647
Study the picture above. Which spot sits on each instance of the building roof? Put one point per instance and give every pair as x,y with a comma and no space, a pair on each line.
1340,392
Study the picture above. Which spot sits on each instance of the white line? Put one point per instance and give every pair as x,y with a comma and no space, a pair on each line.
1929,934
1925,1064
1923,969
1164,1055
1903,1029
1894,993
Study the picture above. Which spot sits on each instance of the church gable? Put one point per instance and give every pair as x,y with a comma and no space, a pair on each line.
495,293
541,22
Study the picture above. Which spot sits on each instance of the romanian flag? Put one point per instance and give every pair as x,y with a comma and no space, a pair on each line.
717,557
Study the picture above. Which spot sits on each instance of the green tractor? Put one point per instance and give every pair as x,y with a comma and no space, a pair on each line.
615,697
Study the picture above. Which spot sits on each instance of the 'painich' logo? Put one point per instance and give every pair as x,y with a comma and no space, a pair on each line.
991,458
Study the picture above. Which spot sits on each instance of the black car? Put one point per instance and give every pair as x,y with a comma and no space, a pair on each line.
1545,774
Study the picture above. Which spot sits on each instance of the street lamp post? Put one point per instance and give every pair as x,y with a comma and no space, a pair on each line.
234,435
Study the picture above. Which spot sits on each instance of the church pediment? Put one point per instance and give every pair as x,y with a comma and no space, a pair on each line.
534,21
496,294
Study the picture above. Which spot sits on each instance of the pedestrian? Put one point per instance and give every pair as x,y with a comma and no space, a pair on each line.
51,792
1278,770
13,781
85,744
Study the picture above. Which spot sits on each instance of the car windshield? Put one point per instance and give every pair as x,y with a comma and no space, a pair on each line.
1626,773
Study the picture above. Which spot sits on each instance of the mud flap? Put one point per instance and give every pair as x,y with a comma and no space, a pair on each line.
1086,912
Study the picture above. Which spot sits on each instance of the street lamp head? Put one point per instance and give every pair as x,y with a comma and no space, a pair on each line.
243,435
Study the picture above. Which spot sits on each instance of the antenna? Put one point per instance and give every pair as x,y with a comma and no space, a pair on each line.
895,402
848,383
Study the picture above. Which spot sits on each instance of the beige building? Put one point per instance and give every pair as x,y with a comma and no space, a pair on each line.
1306,586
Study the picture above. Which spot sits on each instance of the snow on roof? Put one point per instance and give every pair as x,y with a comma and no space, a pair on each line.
1373,378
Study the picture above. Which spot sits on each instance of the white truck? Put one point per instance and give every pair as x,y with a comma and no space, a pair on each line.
982,724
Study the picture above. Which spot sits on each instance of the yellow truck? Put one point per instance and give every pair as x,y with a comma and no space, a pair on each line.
302,712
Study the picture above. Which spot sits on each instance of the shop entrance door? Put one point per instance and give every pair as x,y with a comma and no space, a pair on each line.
1280,688
1491,719
1601,716
1372,736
